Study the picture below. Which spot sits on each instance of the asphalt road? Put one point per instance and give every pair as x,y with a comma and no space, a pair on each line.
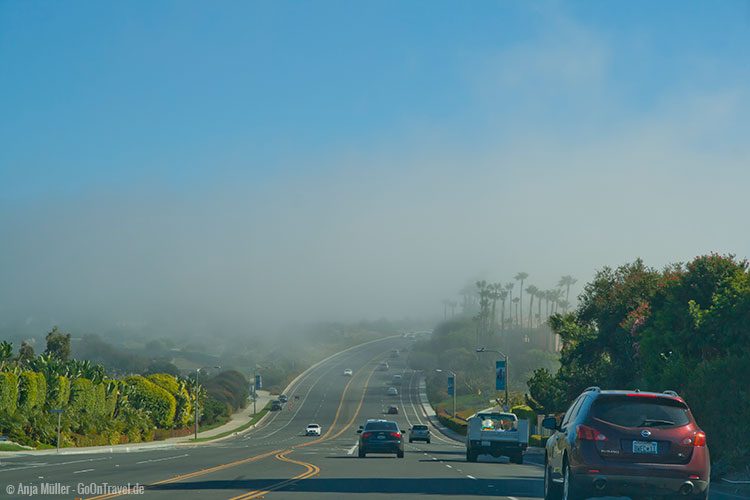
276,461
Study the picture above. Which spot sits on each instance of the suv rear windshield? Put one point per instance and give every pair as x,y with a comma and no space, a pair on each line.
420,427
634,411
381,426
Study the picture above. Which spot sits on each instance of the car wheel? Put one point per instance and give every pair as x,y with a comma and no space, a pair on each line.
471,456
362,453
428,441
410,441
552,490
517,458
571,490
400,454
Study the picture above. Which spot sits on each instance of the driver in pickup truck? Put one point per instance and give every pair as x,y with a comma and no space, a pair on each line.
487,424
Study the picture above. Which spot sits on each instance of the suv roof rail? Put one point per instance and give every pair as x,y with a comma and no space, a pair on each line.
593,388
671,393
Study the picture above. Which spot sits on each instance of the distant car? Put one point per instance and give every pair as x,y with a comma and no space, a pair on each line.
348,372
392,391
312,430
392,410
276,405
383,366
380,436
419,433
395,353
625,443
283,398
397,380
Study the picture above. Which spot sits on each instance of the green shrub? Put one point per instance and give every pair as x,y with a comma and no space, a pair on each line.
155,401
184,411
524,412
32,391
58,391
538,440
455,424
8,393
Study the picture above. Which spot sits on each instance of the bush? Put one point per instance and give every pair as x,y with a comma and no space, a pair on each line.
58,391
230,387
455,424
32,391
8,393
158,403
524,412
538,441
184,410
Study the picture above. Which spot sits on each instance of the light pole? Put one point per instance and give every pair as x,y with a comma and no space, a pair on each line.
505,356
197,371
455,387
59,414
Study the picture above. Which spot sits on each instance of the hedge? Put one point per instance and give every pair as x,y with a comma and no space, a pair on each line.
8,393
87,398
538,440
157,402
455,424
58,391
184,411
32,391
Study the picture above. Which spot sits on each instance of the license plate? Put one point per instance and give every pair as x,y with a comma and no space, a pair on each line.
649,447
485,443
381,437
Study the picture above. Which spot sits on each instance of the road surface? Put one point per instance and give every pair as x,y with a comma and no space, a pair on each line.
276,461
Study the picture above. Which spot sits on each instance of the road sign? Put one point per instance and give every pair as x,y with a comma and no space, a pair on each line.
501,375
258,382
451,385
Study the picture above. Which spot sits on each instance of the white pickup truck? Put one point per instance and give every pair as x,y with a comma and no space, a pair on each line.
497,434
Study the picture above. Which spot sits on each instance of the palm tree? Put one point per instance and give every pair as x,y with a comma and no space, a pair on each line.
503,297
520,277
6,352
517,301
567,281
539,297
509,287
532,291
453,305
446,303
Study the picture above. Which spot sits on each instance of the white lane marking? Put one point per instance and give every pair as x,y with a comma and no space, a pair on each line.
350,451
471,477
512,498
449,466
161,459
35,465
83,470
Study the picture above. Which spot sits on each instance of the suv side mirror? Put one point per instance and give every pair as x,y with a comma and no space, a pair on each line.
403,431
550,423
359,431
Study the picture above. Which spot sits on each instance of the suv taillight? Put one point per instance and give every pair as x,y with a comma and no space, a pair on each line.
586,433
697,439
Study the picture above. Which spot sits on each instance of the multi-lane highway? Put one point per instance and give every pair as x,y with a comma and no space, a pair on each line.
277,461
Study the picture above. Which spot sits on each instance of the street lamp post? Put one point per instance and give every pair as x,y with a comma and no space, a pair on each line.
505,356
197,371
455,387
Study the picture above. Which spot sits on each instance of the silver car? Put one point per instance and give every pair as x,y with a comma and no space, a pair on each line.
392,391
419,433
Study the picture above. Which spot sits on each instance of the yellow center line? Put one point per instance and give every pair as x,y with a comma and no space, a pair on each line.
312,469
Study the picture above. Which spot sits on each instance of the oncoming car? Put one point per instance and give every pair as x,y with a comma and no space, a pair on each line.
348,372
312,430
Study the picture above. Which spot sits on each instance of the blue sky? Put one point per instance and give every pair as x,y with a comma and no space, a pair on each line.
353,128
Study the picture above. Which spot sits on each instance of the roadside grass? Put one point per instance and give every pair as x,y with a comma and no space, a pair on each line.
12,447
241,428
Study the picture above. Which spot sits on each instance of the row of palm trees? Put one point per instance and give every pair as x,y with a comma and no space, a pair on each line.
485,297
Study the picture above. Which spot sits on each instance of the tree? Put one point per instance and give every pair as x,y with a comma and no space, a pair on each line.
509,288
516,301
25,353
6,353
520,277
532,291
58,344
567,281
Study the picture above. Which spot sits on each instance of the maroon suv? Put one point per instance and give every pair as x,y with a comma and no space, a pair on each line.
639,444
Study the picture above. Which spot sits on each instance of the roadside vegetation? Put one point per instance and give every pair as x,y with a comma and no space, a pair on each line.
150,391
685,328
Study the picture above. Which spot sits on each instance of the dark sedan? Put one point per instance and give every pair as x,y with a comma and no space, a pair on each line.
380,436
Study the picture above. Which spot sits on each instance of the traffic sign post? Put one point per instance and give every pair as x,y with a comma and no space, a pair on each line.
59,415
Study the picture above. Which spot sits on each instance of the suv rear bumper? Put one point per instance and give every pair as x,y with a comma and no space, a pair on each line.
635,485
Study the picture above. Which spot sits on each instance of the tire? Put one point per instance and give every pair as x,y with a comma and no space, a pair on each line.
428,441
516,458
552,490
471,456
410,441
571,490
362,453
400,454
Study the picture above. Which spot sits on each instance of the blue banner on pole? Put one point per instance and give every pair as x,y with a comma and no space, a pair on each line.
451,385
258,382
500,375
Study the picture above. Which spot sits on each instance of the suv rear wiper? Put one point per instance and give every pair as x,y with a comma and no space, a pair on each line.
655,422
